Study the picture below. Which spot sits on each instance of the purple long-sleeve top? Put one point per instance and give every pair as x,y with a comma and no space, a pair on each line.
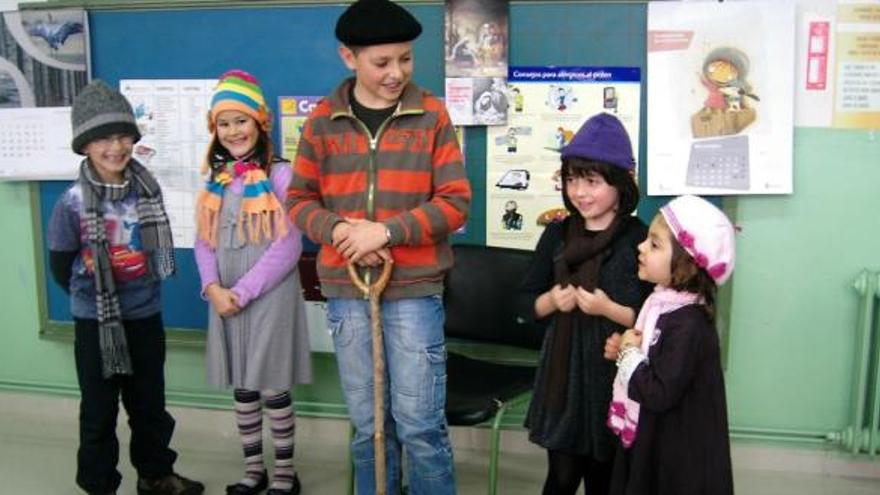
275,264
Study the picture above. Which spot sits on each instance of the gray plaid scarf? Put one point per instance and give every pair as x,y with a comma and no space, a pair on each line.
156,239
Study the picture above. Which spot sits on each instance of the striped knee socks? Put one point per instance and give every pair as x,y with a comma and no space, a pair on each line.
249,417
280,410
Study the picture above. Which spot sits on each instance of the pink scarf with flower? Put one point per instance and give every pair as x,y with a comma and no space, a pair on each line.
623,415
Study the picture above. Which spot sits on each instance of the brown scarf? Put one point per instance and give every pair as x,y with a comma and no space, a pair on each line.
578,264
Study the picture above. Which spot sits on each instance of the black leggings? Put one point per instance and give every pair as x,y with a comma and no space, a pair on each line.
567,470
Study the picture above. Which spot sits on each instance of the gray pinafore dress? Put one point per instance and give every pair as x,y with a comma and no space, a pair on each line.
266,345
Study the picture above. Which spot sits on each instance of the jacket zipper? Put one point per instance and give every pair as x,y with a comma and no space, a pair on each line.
371,180
372,170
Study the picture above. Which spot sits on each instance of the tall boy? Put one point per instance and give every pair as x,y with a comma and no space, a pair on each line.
109,247
379,178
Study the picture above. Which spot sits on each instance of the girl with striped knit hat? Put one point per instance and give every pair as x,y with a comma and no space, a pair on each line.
247,252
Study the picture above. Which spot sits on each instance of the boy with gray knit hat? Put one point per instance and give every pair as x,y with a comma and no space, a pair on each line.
109,248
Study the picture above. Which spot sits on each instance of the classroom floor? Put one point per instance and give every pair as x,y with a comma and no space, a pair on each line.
38,444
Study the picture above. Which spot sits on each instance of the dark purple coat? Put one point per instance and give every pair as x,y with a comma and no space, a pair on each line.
682,445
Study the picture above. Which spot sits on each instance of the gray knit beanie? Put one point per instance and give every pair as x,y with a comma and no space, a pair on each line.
100,111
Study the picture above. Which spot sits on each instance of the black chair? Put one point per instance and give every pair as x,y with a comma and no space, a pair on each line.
492,355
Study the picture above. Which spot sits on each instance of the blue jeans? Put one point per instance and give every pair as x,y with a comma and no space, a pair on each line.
415,391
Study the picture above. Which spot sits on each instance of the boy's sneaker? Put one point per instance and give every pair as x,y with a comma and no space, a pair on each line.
173,484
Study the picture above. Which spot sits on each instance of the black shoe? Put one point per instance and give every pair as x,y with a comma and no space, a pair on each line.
294,490
172,484
242,489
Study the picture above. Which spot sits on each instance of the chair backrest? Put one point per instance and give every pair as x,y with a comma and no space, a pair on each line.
480,297
308,276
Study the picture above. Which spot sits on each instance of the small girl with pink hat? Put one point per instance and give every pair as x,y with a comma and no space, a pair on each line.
669,406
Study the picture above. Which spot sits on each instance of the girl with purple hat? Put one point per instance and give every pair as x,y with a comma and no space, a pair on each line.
669,407
583,283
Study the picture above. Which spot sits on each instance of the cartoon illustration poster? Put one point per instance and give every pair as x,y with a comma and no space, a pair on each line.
720,96
547,107
171,115
476,45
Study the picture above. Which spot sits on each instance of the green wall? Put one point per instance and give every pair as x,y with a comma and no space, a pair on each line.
791,344
23,356
792,340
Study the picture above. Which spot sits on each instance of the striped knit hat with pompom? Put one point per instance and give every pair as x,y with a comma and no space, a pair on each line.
238,90
261,216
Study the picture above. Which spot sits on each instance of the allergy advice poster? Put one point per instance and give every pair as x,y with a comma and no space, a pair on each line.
547,107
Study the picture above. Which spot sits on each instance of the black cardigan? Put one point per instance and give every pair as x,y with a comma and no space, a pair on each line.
579,428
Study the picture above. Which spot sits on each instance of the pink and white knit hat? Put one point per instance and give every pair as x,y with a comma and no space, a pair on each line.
704,232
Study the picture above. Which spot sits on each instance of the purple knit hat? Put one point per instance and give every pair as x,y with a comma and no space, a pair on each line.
602,138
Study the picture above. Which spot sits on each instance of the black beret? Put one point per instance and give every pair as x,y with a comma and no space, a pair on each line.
376,22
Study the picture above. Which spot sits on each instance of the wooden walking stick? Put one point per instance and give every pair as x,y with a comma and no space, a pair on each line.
373,292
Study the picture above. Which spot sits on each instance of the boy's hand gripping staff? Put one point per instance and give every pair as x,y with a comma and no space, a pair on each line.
373,292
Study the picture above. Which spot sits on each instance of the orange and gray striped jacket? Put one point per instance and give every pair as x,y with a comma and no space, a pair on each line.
410,177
